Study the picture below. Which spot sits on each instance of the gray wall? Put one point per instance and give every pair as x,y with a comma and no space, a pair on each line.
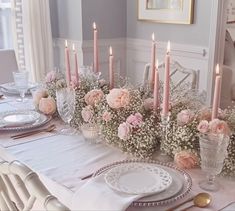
73,19
195,34
66,19
109,15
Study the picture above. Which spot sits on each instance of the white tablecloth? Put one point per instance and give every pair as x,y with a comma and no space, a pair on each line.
62,160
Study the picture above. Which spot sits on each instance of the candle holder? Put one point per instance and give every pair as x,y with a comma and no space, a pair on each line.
165,120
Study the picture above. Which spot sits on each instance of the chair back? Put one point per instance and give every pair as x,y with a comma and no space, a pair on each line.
8,64
179,74
21,189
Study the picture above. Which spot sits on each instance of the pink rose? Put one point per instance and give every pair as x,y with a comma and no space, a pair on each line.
94,96
185,117
107,116
118,98
51,76
102,82
148,104
204,114
219,127
135,120
124,131
47,106
38,95
203,126
186,160
87,113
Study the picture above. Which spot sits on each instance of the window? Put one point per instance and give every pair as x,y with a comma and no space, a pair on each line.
6,39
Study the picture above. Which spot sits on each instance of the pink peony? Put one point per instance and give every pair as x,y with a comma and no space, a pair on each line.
186,160
185,117
203,126
94,96
38,95
148,104
47,106
135,120
219,127
51,76
118,98
87,113
124,131
107,116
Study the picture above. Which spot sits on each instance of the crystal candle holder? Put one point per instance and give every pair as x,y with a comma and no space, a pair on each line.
90,132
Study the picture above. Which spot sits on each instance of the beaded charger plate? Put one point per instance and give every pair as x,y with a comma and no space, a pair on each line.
181,183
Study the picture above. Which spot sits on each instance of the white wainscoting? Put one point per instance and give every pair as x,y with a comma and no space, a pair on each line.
139,53
131,56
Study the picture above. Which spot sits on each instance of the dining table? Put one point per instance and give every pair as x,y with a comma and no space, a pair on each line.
62,160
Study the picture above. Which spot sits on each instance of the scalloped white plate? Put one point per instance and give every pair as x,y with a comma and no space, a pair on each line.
135,178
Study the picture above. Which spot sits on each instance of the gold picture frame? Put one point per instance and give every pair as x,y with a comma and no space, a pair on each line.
166,11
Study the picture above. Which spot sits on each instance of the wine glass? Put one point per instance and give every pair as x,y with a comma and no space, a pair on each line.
213,151
65,100
21,83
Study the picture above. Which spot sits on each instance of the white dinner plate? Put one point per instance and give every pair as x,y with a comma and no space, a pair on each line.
180,187
18,118
30,120
136,178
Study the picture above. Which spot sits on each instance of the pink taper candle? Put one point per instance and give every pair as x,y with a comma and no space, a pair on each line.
67,63
96,62
216,102
153,57
76,65
166,94
156,89
111,73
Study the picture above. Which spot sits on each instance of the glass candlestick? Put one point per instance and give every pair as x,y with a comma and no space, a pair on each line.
165,120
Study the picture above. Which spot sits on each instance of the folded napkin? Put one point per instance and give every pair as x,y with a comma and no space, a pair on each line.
97,195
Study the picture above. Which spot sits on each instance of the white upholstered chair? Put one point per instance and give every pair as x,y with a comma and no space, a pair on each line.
21,189
8,64
179,74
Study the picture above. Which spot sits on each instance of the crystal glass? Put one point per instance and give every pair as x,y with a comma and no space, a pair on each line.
21,83
90,131
65,100
165,120
213,151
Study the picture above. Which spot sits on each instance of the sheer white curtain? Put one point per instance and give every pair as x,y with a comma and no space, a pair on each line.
37,37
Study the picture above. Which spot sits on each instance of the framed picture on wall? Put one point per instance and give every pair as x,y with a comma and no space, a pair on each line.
231,12
166,11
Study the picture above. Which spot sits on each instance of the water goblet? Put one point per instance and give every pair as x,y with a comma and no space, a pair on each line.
21,83
65,100
213,151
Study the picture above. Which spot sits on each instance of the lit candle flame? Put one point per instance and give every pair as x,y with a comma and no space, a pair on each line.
94,26
156,64
168,47
217,70
153,37
66,43
110,51
73,47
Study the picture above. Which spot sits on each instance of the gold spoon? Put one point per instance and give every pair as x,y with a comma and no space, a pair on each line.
200,199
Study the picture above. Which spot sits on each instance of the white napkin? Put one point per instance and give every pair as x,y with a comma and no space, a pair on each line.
97,195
